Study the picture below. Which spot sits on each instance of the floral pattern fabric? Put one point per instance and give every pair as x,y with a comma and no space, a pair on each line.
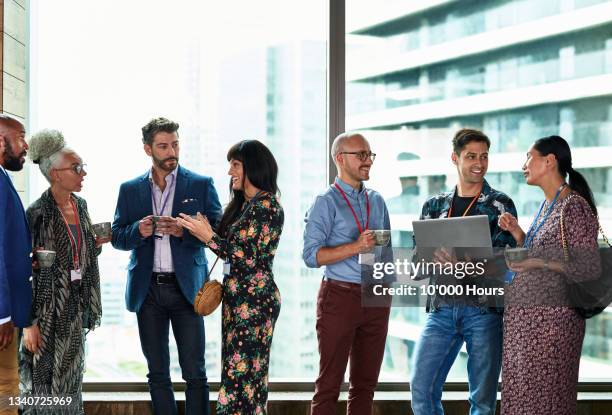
251,305
543,340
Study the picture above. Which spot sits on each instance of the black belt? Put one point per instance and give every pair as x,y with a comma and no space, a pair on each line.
164,277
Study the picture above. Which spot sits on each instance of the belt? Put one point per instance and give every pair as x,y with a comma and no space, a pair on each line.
343,284
164,277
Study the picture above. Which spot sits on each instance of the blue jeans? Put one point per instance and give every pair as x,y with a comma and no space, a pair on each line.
165,304
444,333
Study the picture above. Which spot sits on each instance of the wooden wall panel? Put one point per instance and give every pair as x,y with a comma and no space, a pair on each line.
15,21
13,61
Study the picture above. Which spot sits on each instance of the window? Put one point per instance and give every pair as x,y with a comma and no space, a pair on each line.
103,72
410,103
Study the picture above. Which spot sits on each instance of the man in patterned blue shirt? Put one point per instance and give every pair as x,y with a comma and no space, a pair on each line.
473,320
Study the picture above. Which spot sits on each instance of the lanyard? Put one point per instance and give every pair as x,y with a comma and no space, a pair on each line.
164,202
75,245
450,211
367,224
532,232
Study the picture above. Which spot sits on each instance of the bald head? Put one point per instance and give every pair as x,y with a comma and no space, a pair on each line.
342,141
14,147
8,122
353,158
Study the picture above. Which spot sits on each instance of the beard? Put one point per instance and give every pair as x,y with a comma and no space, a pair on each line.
12,161
161,163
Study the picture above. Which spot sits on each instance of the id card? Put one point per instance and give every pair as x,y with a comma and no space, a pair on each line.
75,275
366,259
226,268
509,276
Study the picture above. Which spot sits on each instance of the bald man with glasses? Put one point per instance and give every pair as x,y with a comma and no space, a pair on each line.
338,229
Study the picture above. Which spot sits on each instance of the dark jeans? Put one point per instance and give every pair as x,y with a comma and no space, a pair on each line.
166,304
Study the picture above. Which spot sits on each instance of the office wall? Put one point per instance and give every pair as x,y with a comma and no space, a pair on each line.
13,60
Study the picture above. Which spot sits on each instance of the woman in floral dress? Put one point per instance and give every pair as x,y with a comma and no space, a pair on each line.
542,334
246,240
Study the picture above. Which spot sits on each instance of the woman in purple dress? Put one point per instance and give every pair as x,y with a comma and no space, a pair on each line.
543,334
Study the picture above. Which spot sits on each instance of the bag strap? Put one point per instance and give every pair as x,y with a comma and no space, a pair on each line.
212,268
603,235
563,237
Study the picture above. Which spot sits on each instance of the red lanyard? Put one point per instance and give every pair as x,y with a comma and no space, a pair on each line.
75,245
353,210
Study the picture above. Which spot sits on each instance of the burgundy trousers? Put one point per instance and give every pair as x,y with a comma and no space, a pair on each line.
346,330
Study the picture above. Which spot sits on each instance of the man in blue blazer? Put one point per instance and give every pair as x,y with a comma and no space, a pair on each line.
15,262
167,266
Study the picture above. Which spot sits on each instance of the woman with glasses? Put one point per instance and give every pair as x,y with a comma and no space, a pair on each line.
246,240
66,295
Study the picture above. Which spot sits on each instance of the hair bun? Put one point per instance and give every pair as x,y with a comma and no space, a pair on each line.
44,144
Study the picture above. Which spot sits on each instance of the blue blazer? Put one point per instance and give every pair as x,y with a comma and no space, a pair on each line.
193,193
15,262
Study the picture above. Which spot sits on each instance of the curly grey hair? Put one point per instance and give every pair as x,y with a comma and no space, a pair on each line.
47,149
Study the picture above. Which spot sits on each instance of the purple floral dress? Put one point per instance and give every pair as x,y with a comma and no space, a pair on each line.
251,305
542,334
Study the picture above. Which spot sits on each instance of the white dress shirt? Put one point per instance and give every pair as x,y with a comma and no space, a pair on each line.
162,259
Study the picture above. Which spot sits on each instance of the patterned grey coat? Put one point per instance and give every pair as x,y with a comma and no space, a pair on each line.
63,309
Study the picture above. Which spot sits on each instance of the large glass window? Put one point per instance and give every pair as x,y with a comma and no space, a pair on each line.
409,109
226,72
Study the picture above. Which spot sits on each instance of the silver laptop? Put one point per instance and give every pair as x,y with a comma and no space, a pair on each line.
469,235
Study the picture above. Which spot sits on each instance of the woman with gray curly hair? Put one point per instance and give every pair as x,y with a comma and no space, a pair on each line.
66,296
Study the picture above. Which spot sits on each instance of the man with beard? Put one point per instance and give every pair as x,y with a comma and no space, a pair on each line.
338,228
15,263
167,266
457,319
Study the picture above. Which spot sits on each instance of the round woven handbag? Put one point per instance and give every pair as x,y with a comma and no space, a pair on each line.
208,298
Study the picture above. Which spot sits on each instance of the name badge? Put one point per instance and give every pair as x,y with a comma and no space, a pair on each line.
509,276
75,275
226,268
366,259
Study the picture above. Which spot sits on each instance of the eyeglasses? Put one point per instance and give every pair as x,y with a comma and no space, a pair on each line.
361,155
77,168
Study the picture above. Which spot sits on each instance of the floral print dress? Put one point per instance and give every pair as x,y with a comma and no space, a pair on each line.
251,305
543,338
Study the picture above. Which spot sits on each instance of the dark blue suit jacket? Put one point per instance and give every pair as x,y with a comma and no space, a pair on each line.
15,262
193,193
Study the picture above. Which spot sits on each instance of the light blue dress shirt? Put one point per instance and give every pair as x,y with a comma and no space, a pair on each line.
330,223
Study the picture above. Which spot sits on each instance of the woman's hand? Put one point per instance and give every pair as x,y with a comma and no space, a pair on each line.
509,223
35,264
526,265
102,241
199,227
31,338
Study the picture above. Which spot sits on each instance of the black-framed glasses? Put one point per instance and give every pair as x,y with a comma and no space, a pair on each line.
78,168
361,155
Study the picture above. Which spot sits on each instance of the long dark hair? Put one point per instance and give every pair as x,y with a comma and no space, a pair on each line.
558,146
259,165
